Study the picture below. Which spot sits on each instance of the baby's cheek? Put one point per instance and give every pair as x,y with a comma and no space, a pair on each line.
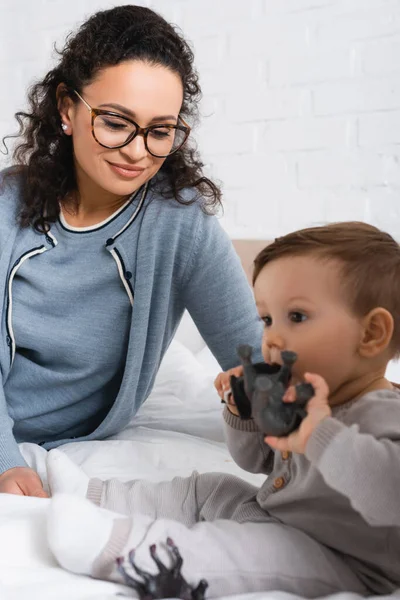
312,364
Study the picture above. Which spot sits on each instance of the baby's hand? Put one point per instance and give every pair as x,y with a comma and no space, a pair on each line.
223,386
317,410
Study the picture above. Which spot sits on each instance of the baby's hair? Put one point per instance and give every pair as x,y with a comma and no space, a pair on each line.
369,262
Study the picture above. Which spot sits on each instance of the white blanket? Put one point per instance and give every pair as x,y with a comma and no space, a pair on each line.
177,431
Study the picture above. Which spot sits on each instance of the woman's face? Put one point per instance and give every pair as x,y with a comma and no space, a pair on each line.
148,94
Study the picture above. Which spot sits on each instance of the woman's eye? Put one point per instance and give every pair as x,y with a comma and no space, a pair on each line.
160,133
297,317
115,125
267,321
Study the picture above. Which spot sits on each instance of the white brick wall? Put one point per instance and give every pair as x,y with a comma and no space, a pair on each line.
301,108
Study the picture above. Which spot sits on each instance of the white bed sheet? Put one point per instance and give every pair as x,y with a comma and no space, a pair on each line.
177,431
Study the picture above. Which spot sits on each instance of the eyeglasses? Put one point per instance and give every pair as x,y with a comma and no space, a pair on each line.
111,130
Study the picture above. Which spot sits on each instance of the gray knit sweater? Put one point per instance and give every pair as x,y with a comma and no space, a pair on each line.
345,491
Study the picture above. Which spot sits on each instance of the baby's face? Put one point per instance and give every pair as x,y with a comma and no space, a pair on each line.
301,302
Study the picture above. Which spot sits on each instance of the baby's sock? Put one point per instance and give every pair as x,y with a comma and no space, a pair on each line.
64,476
86,539
89,540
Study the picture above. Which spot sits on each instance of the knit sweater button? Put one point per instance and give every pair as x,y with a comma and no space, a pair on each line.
285,455
128,275
279,482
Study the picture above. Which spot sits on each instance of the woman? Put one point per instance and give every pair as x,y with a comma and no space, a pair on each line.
106,236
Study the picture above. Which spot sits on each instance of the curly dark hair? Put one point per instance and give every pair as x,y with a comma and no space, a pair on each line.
45,154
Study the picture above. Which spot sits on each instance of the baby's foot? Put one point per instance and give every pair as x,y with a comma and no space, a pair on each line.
64,476
86,539
89,540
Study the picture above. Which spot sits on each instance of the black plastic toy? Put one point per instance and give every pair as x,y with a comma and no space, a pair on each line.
259,394
167,583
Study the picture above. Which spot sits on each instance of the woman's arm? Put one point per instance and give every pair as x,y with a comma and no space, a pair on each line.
15,476
218,296
10,456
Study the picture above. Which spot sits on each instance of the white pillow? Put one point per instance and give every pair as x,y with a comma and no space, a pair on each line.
208,361
180,374
188,334
183,397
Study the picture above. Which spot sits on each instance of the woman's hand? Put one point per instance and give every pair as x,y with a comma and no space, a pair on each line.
22,481
222,385
317,409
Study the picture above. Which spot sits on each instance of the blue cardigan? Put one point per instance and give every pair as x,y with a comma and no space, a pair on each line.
174,257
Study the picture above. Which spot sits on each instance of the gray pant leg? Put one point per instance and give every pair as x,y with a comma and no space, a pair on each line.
188,500
224,536
235,558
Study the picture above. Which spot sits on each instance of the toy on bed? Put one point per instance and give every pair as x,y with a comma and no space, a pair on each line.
167,583
258,394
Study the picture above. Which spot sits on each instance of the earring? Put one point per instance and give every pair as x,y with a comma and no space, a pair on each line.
64,126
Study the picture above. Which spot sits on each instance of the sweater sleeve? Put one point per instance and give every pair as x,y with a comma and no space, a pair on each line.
10,456
361,467
246,445
218,296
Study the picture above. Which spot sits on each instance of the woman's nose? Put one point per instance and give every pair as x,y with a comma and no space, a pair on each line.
136,149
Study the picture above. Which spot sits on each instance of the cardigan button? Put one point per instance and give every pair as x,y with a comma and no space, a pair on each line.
279,482
285,455
128,275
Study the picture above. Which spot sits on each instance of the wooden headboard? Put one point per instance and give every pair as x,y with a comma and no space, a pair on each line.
247,251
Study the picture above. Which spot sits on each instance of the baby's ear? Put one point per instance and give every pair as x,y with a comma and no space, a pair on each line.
378,327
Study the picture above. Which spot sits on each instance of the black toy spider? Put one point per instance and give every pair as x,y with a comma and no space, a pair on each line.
259,394
167,583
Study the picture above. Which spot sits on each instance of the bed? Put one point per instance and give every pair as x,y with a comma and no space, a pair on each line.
177,430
